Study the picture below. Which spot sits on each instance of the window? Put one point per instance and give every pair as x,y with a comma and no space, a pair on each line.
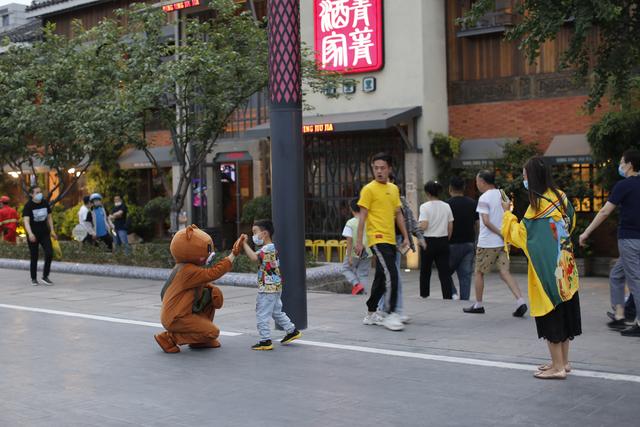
5,20
586,173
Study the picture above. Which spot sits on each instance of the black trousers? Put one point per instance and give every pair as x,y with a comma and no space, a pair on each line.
44,240
107,240
386,277
438,251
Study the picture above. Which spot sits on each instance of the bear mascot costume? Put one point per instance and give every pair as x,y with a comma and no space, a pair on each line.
189,300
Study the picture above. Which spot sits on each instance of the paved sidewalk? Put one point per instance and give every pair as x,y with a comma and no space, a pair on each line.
61,370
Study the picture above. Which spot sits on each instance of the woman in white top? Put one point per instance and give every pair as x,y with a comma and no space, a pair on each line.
436,220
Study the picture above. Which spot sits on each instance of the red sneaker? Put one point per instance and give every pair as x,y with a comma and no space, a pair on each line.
357,289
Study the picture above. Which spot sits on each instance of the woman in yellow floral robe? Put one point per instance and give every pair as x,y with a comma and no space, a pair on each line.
544,234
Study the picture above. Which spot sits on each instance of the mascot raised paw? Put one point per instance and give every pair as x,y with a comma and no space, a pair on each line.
189,299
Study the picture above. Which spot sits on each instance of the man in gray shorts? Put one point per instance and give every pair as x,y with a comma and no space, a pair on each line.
491,249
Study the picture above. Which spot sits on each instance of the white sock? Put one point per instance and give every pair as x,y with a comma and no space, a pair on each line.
478,304
519,302
619,312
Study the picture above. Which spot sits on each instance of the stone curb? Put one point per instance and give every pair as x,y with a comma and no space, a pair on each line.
325,277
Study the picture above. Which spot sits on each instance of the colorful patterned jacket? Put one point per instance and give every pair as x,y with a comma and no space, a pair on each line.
545,237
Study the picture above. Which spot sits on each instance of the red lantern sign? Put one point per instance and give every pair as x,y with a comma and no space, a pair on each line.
349,35
180,5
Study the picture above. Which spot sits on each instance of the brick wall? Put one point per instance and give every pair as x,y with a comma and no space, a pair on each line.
537,120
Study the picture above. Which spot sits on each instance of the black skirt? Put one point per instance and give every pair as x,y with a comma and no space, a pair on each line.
562,323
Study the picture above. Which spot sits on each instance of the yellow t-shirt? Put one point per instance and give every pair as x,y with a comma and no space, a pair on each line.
382,201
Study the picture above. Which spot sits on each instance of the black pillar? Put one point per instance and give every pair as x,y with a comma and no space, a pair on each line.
287,162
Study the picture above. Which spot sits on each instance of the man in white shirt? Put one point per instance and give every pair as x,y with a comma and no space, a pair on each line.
84,219
491,251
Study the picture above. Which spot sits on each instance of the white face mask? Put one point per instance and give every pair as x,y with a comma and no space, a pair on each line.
118,203
257,240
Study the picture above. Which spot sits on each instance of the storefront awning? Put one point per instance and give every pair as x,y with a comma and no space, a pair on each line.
347,122
569,149
480,152
137,159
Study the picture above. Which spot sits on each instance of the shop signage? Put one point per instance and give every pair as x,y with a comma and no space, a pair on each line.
323,127
180,5
349,35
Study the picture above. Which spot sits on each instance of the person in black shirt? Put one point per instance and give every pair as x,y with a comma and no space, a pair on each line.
119,218
462,243
38,223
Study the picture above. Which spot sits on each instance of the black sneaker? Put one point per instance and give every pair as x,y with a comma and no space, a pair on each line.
290,337
612,316
520,311
617,324
46,281
473,309
633,331
34,282
263,345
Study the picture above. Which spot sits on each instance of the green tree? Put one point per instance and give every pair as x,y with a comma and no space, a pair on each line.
195,86
612,63
63,104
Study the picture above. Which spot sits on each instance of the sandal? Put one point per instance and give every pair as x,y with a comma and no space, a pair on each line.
548,375
547,366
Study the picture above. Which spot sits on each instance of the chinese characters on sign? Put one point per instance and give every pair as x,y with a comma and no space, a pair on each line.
323,127
349,35
180,5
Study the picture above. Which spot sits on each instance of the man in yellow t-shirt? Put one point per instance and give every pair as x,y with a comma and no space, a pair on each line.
380,210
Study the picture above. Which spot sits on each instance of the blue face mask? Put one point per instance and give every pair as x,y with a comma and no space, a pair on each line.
38,198
621,172
526,184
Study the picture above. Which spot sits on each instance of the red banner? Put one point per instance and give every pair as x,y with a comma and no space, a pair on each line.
349,35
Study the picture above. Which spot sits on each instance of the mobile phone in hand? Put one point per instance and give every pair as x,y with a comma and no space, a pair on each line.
403,249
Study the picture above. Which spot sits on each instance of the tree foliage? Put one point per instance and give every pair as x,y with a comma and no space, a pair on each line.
611,64
63,105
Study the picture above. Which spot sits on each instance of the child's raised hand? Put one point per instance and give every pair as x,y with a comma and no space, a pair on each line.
238,245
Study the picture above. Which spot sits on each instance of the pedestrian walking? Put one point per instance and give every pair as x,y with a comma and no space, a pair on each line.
491,250
8,221
269,302
380,211
119,220
355,269
101,222
436,221
544,235
413,229
38,223
462,250
626,195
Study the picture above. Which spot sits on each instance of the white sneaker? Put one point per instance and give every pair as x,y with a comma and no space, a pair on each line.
373,319
455,297
393,322
405,319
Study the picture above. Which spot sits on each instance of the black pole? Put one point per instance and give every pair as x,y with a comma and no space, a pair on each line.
287,162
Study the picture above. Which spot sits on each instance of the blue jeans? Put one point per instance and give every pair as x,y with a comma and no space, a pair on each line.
269,305
123,239
381,306
626,269
461,257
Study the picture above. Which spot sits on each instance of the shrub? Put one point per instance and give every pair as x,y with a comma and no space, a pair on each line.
258,208
157,210
140,224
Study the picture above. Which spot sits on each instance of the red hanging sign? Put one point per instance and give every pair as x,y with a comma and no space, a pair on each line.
349,35
180,5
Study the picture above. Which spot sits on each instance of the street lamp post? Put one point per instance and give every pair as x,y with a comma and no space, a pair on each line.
287,162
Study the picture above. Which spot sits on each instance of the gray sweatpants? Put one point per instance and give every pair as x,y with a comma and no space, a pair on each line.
627,269
358,271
